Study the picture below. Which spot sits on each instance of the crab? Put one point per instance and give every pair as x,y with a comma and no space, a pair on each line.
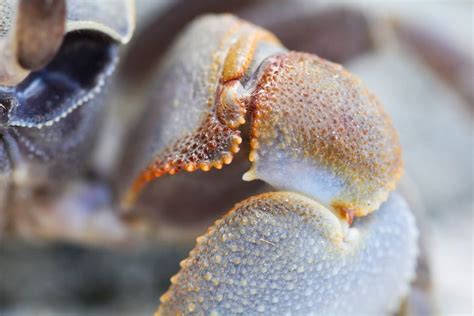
315,227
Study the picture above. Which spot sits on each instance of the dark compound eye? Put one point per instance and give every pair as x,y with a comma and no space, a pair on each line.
73,77
53,115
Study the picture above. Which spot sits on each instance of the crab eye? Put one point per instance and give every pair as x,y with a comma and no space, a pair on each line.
51,115
73,77
51,93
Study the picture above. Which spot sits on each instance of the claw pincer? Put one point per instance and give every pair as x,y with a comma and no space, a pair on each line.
315,133
314,127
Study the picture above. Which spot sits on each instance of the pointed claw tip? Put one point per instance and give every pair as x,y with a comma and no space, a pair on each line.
249,175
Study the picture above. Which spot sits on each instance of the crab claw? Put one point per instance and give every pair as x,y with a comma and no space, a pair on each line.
315,121
283,253
197,105
314,127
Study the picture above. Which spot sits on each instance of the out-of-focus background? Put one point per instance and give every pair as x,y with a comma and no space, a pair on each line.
416,56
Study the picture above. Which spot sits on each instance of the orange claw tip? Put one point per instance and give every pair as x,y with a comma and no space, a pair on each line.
131,195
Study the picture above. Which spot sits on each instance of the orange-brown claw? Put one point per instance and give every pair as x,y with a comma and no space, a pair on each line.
315,121
314,132
199,102
314,127
211,146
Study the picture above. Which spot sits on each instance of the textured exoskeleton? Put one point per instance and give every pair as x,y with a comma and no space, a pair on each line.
314,132
330,238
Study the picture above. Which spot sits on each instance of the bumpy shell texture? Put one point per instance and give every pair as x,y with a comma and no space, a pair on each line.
314,131
316,121
315,128
189,126
282,253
